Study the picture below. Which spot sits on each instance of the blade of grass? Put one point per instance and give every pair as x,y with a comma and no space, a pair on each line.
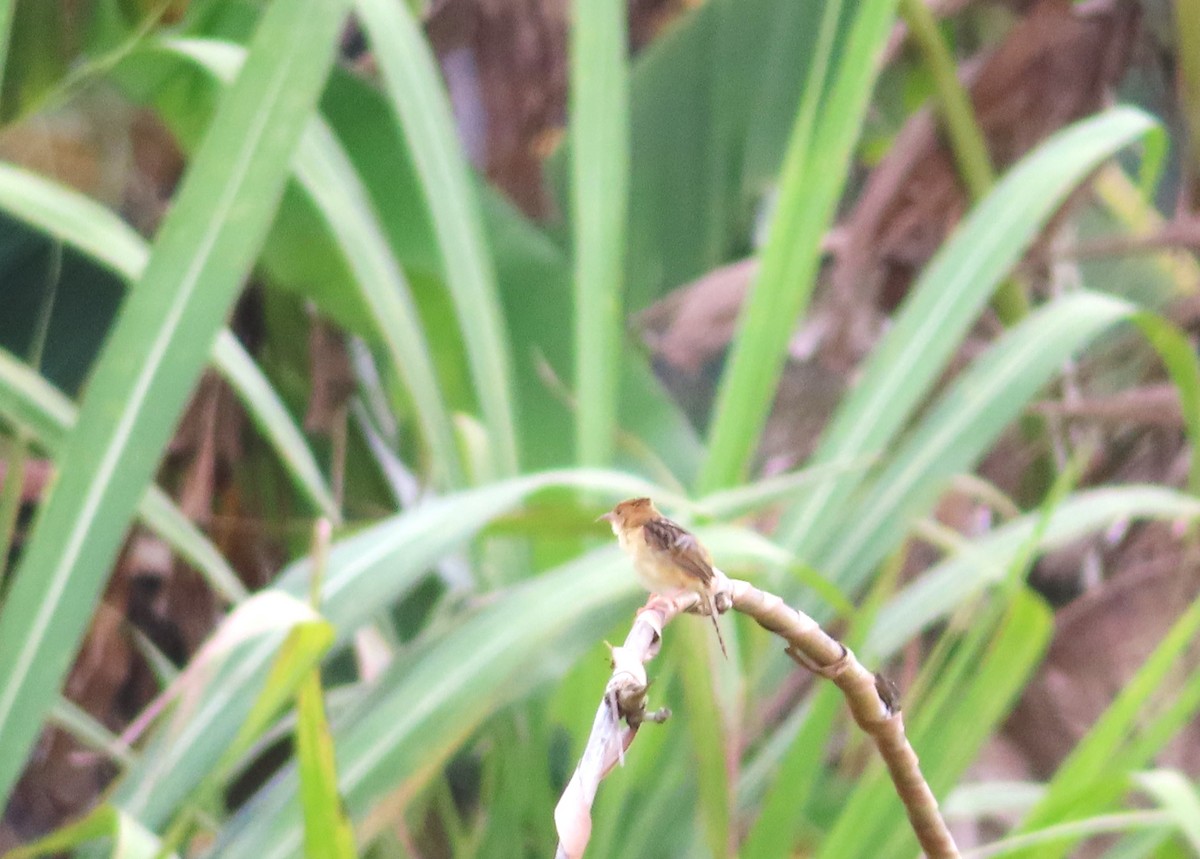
1177,354
1187,34
599,132
961,709
154,355
97,232
7,7
945,301
872,817
706,722
427,704
272,418
374,568
1094,756
966,139
954,103
1176,794
1144,843
326,174
327,829
1076,830
754,497
814,174
14,450
307,642
410,77
90,733
963,425
988,798
1156,731
957,652
129,839
955,580
781,817
45,413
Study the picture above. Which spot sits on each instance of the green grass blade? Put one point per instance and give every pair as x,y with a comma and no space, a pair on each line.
7,7
92,229
1093,758
153,357
1173,791
327,829
272,418
45,413
414,89
814,174
938,592
781,810
30,403
306,645
964,424
945,301
326,174
128,838
706,723
768,491
374,568
599,131
1064,834
1179,358
90,733
73,219
991,798
873,819
428,704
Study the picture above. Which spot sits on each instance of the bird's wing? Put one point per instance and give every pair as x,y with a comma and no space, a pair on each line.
682,547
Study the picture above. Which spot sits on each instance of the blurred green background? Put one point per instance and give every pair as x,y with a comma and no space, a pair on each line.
329,327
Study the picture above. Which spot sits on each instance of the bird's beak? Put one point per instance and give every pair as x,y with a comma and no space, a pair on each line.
607,517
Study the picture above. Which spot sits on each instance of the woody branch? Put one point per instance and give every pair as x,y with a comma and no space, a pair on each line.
872,701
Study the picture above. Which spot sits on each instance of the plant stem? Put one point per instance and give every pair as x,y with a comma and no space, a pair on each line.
967,143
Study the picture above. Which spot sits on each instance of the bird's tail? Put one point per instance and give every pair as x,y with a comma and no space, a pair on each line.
711,605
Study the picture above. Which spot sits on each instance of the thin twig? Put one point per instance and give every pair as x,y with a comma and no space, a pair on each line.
872,699
1181,235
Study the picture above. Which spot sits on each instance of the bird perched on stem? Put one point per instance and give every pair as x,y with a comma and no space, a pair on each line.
667,558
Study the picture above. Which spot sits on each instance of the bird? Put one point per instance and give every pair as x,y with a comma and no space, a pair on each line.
667,558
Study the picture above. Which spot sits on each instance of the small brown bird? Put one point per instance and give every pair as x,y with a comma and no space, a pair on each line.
667,558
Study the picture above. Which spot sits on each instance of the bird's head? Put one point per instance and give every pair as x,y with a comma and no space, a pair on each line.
630,514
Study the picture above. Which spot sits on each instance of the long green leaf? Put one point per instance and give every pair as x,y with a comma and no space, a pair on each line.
324,171
7,7
88,731
938,592
73,219
1179,798
944,302
372,569
327,831
31,402
1076,830
599,112
153,357
428,704
872,821
89,227
410,78
1109,738
963,425
814,175
128,838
